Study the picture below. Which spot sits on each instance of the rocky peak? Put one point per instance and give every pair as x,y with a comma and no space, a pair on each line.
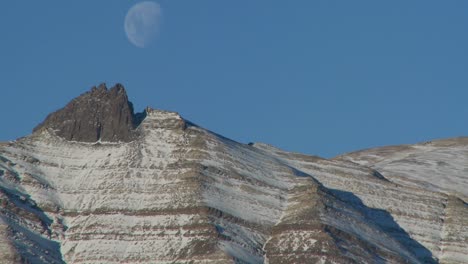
99,114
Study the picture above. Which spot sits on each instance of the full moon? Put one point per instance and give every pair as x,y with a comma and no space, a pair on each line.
142,23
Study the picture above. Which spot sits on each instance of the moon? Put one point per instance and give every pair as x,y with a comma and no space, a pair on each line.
142,23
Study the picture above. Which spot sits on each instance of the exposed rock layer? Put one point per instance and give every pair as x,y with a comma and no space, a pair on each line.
99,114
181,194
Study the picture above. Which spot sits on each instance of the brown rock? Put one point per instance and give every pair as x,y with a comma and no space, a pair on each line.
100,114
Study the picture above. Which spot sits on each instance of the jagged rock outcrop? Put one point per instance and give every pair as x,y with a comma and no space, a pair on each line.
179,193
100,114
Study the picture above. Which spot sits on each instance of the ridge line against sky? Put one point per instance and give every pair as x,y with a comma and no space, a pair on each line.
316,77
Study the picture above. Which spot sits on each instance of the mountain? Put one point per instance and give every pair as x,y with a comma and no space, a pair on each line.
98,183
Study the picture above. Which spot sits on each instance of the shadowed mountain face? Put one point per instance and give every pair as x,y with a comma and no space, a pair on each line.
173,192
99,114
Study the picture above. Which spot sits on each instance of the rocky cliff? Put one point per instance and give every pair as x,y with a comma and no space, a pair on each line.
164,190
99,114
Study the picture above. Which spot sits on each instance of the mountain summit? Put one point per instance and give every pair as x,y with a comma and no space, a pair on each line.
100,114
155,188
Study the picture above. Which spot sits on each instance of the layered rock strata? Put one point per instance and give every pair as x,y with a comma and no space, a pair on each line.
173,192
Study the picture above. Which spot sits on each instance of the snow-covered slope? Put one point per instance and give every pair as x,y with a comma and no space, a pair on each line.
432,224
439,165
178,193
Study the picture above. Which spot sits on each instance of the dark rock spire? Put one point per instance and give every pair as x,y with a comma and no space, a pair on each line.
99,114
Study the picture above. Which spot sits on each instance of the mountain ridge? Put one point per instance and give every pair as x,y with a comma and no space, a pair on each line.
178,193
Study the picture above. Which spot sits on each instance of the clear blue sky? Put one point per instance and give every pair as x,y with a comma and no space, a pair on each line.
319,77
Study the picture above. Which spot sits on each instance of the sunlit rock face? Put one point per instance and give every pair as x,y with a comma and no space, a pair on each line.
100,114
167,191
